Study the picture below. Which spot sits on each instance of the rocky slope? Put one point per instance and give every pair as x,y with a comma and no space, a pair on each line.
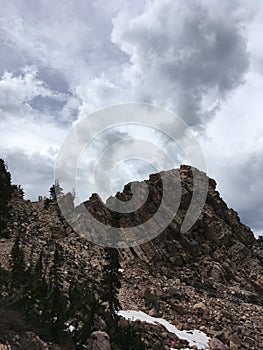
209,278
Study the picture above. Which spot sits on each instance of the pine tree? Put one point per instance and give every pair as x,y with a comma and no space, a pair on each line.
75,296
55,271
18,269
40,285
260,241
38,270
5,197
37,292
56,191
128,338
110,285
57,308
93,307
84,307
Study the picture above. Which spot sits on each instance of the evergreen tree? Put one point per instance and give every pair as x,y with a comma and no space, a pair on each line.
56,191
75,297
20,190
5,197
38,270
4,280
128,338
57,307
56,268
17,262
88,319
46,203
83,309
36,293
110,285
260,241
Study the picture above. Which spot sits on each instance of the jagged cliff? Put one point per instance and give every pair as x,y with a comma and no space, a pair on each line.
209,278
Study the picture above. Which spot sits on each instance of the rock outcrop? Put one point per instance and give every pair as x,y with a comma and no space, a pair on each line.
209,278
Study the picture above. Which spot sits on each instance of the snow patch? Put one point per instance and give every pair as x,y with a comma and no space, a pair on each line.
70,327
194,337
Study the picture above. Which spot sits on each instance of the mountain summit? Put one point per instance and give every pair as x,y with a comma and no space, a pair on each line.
209,278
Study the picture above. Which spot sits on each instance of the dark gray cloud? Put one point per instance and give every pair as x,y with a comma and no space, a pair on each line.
24,95
61,61
72,40
240,184
186,57
247,192
47,105
54,78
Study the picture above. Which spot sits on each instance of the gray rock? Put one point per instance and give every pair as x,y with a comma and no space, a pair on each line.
99,341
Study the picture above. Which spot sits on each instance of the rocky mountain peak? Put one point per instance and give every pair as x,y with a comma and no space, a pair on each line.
208,278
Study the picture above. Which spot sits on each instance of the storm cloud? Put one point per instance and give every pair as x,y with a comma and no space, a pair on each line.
185,56
200,59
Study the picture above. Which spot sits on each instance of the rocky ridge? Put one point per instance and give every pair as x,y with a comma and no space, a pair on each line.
209,278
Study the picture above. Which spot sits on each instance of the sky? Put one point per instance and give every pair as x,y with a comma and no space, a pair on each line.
200,59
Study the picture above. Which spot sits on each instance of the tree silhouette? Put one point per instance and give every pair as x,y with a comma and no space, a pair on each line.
18,269
111,284
57,308
5,197
56,191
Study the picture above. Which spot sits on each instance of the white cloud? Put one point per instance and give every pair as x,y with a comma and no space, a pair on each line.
17,91
35,171
22,125
186,56
71,39
29,137
202,59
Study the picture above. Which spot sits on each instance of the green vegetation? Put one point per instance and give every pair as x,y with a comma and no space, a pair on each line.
17,262
110,285
34,295
6,190
56,191
66,315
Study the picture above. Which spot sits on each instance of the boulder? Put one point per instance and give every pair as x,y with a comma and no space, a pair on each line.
200,309
99,341
216,344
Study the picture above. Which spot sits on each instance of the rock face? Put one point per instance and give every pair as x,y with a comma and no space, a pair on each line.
99,341
5,347
209,278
